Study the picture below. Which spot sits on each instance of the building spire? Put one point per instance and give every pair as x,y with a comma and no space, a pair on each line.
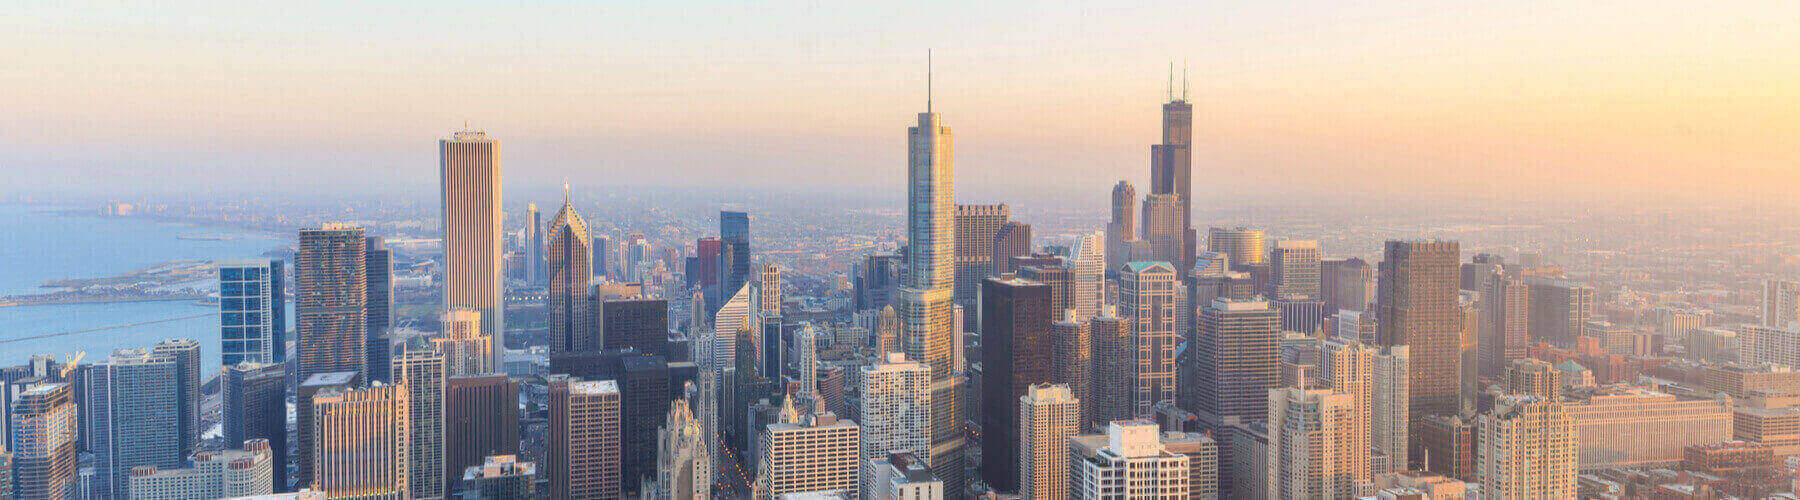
1171,87
565,192
1184,87
927,80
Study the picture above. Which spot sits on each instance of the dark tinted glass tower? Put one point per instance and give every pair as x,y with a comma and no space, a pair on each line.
254,406
641,324
481,419
380,286
186,355
1016,353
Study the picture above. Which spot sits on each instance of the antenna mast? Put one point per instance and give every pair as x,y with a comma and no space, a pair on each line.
927,80
1184,88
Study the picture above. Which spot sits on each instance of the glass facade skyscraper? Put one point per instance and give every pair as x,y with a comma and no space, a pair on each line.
253,312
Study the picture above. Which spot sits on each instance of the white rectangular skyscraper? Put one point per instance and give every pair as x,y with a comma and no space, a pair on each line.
470,176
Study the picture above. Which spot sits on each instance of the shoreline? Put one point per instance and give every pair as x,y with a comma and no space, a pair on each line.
197,299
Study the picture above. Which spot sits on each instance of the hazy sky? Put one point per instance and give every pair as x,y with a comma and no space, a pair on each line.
1658,96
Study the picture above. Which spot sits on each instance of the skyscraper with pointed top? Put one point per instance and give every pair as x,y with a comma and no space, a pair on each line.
926,305
1171,166
571,275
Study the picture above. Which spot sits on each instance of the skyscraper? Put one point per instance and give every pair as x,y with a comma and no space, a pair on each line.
734,236
683,467
469,172
253,312
460,341
877,281
1294,266
1315,445
1072,358
331,269
481,419
1242,245
1526,449
1012,240
534,245
361,442
977,228
1353,286
1122,230
808,452
1088,267
1558,310
379,305
1016,348
1147,296
1389,419
254,406
584,439
1171,170
927,297
1048,416
131,411
1418,296
43,442
422,373
571,275
770,290
1235,353
1503,333
641,324
1161,226
1115,366
1349,368
896,407
1780,303
305,429
185,353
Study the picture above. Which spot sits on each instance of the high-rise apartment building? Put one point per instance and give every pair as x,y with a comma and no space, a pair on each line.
254,406
130,411
584,454
1317,444
1048,416
469,175
1148,296
1072,358
926,305
1016,354
1526,448
1012,240
896,407
901,476
460,341
185,353
331,271
422,373
229,473
378,306
571,275
1122,231
1780,303
1558,309
481,419
1129,462
361,442
976,229
1532,377
43,443
1203,461
253,312
811,452
1114,367
1418,297
1389,417
1349,368
1242,245
1503,332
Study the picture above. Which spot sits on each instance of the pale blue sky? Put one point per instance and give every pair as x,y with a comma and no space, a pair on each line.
1301,95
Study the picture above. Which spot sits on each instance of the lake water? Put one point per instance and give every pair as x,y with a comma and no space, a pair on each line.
37,244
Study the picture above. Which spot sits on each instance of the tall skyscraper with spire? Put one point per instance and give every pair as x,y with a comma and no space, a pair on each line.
571,275
469,170
926,301
1171,166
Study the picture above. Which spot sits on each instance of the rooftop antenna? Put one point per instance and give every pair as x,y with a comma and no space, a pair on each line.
1184,92
928,80
565,192
1171,87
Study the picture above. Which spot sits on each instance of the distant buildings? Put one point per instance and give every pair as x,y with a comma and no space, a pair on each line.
1242,245
1780,303
469,177
1558,310
1632,427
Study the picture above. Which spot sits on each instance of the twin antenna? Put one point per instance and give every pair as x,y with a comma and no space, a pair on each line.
1184,83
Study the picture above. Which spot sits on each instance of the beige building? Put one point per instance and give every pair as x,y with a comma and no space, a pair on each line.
811,452
927,307
1778,428
421,372
1049,414
1148,299
465,349
1318,445
896,407
1526,449
1741,380
1432,486
1533,377
1129,462
215,474
469,177
1633,427
360,442
584,449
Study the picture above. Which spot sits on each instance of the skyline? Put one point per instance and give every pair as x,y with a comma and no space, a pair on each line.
1381,98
